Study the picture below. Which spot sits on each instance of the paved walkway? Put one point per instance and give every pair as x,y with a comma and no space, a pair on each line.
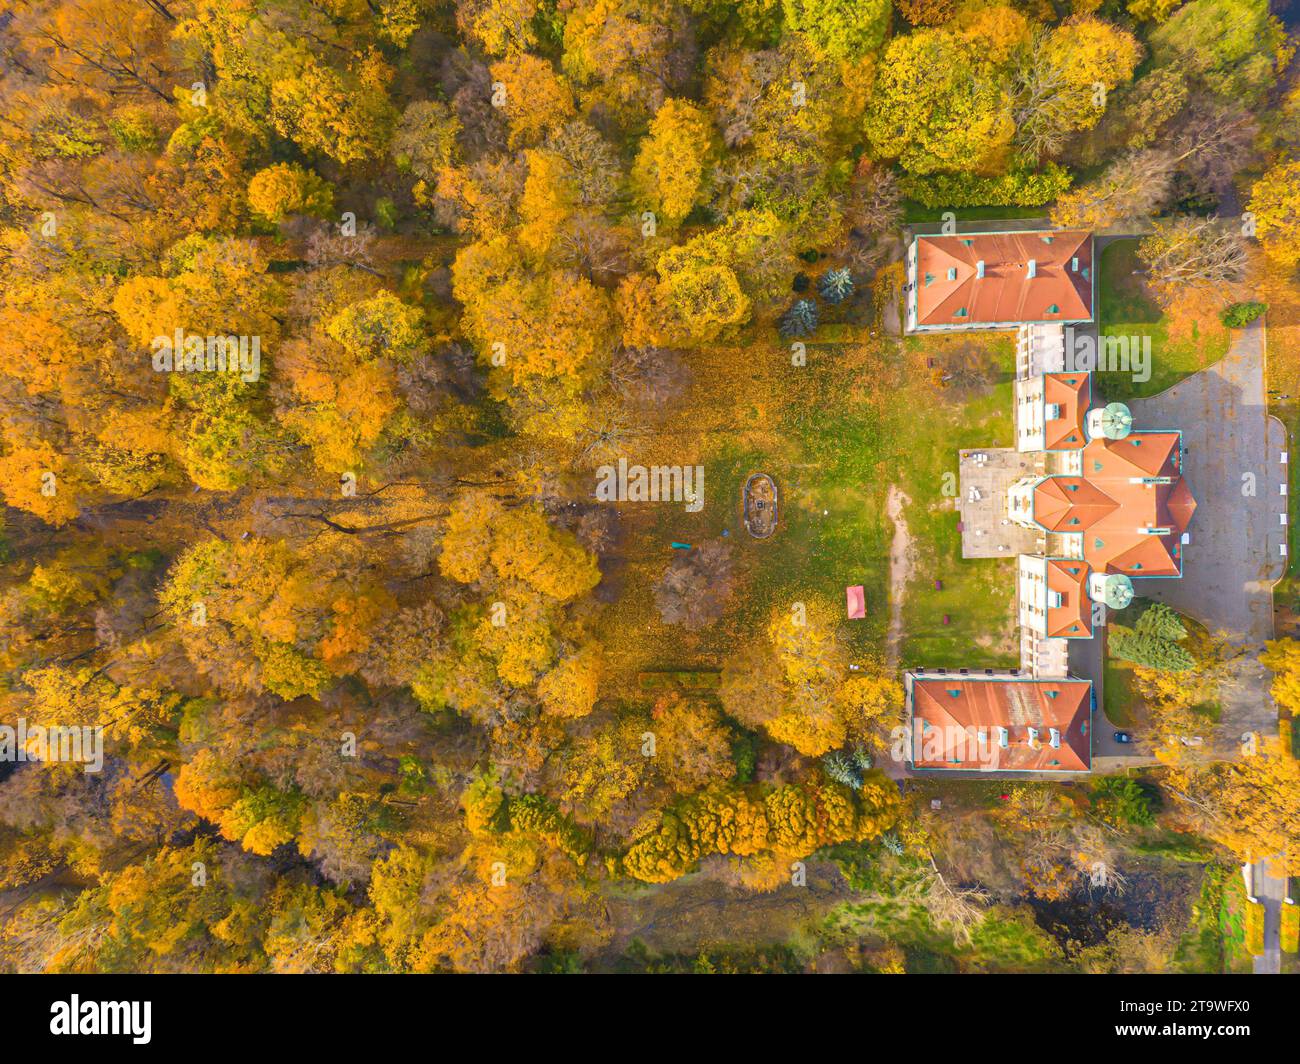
1233,465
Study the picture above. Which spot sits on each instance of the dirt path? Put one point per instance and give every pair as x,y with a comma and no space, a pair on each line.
900,571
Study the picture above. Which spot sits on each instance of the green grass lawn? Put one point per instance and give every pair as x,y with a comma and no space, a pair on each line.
977,594
1215,940
1123,702
822,436
1181,342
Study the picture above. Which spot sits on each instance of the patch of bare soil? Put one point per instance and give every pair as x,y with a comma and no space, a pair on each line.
901,567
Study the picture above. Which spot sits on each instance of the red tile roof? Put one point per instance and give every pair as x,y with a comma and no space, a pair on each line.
950,714
951,291
1073,617
1072,393
1112,506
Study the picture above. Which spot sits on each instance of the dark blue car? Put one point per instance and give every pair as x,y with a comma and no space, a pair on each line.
1123,737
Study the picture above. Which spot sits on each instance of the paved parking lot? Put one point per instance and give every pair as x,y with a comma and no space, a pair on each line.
1233,465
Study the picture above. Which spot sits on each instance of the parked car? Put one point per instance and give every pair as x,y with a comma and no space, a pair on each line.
1123,737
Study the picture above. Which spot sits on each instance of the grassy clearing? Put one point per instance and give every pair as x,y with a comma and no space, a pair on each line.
863,414
1006,940
749,410
1186,338
973,410
1215,940
1122,700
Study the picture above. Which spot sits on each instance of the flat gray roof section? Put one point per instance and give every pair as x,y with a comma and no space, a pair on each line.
987,531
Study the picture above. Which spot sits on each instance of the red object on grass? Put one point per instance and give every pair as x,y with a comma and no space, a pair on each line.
856,598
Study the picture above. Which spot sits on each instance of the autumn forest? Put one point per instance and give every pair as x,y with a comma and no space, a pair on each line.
319,320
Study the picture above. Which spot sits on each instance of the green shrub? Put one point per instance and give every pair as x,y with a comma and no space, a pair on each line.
684,680
1240,314
1291,928
1122,800
1019,188
1255,928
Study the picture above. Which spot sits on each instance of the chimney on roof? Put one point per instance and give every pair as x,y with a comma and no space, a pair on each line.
1054,738
979,268
1033,267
